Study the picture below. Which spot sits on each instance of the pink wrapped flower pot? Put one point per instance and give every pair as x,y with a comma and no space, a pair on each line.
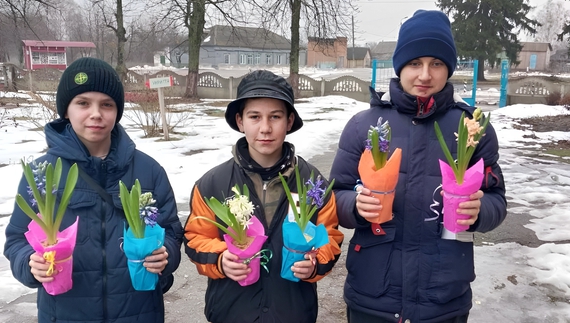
58,256
454,194
257,232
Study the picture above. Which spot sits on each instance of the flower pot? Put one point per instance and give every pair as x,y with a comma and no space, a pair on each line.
381,182
454,194
296,245
59,256
256,231
136,250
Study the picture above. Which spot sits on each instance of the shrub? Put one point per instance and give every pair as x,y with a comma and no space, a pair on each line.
553,98
565,101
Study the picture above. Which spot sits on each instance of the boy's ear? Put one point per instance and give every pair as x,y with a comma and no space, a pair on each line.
290,120
239,122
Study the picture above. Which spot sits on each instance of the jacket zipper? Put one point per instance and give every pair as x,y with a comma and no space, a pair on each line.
104,242
263,193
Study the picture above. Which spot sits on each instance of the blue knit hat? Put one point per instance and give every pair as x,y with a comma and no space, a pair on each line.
89,74
426,34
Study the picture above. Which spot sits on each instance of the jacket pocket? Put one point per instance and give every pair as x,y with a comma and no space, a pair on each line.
368,261
81,205
117,202
452,272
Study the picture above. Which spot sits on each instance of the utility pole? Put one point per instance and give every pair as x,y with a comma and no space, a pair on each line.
353,62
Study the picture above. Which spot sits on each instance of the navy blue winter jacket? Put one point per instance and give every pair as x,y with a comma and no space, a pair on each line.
411,273
102,290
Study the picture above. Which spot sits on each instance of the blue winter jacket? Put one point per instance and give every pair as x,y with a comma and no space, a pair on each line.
102,290
411,273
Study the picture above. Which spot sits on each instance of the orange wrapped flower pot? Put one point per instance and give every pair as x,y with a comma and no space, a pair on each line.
381,182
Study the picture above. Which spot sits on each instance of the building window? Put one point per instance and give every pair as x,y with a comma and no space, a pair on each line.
279,60
268,59
249,59
36,58
242,59
48,58
257,59
227,58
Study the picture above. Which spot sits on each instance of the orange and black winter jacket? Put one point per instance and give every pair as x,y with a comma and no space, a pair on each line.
272,298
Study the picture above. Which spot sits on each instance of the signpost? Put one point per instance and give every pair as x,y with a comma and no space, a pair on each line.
159,83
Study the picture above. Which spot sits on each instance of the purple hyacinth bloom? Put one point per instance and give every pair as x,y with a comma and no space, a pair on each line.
315,193
149,214
383,145
368,143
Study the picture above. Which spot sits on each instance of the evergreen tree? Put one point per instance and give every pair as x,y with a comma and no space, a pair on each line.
483,29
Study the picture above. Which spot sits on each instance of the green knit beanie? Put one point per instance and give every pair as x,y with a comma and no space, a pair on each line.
89,74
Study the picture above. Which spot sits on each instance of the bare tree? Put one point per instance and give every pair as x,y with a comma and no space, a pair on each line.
113,18
25,19
192,14
321,18
552,16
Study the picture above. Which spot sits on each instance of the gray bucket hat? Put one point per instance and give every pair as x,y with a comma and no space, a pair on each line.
263,84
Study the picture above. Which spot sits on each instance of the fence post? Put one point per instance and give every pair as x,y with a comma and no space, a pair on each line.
322,86
504,82
373,83
31,81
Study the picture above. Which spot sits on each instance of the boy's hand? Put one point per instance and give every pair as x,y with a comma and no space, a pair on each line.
367,205
304,269
470,208
233,268
39,268
157,261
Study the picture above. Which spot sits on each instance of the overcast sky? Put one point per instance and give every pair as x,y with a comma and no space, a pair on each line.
380,19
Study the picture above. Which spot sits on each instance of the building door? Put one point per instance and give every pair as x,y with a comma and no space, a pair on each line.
532,64
340,62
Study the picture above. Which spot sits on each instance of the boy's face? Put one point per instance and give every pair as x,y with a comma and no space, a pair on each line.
265,123
92,116
424,76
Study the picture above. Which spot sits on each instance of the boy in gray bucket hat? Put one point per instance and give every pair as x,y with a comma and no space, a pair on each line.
264,111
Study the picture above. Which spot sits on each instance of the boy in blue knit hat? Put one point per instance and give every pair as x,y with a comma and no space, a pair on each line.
412,272
90,103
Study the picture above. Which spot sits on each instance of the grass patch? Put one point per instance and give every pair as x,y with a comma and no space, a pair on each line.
214,112
194,152
325,110
221,104
170,138
315,119
558,152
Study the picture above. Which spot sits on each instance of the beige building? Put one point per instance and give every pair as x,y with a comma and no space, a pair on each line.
534,56
327,52
358,57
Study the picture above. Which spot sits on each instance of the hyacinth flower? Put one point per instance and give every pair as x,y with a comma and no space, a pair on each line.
378,172
43,231
459,181
143,235
468,134
43,180
378,142
300,235
311,197
244,233
236,213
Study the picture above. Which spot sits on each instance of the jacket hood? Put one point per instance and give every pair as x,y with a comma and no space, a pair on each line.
407,104
63,142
